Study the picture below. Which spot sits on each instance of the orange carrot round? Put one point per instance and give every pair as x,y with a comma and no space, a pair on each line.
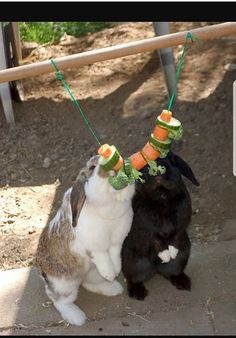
119,164
166,115
105,150
160,133
137,160
151,153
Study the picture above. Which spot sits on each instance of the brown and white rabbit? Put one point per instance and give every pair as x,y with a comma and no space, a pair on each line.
82,243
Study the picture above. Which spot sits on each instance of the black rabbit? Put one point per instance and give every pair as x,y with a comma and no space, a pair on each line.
158,241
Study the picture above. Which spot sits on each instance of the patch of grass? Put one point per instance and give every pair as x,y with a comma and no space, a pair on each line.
51,32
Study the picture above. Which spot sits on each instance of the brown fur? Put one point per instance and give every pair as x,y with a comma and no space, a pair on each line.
53,256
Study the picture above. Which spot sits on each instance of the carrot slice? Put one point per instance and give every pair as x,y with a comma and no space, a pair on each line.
151,153
105,150
160,133
166,115
137,160
119,164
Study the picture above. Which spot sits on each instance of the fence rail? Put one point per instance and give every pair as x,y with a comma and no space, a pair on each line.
107,53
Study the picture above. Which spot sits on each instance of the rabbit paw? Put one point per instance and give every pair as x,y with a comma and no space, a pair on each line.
137,290
107,274
173,251
164,256
181,281
114,289
72,314
116,259
105,288
117,268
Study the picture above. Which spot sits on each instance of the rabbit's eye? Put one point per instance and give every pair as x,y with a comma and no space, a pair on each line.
92,167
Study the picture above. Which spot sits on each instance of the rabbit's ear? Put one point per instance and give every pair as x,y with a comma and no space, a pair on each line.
77,199
78,196
184,168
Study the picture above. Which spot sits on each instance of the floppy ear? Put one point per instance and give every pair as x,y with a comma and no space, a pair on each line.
77,199
184,168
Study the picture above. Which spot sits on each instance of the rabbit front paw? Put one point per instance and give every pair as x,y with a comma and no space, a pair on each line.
164,256
115,258
108,274
104,265
173,251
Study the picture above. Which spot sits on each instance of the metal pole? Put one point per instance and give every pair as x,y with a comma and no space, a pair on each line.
4,87
166,57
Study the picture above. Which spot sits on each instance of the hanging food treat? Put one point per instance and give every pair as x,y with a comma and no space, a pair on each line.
160,133
170,124
132,171
110,158
119,181
162,146
137,160
158,145
150,151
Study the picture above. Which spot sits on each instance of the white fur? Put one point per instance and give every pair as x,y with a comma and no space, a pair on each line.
167,255
64,294
103,224
164,256
173,251
96,283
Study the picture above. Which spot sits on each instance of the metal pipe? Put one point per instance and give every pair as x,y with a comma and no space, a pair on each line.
166,57
5,93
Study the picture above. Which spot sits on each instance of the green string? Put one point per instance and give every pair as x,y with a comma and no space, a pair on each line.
60,77
188,36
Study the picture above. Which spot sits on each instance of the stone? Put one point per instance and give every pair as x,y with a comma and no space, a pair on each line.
68,40
47,162
28,47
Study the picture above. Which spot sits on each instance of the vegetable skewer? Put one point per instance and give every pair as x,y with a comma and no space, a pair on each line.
158,145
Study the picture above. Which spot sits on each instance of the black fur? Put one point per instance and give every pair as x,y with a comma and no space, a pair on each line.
162,213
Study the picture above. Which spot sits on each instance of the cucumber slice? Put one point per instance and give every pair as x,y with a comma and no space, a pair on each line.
162,146
127,167
176,134
174,124
166,144
110,162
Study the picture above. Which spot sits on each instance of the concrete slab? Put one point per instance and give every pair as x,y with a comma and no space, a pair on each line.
210,308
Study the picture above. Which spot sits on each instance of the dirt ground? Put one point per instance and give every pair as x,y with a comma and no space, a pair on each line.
41,157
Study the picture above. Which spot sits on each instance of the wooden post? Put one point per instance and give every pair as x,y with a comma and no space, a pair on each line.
16,43
102,54
4,87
